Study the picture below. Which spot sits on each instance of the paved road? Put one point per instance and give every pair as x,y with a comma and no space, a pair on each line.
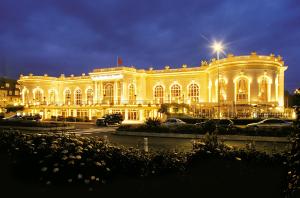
159,143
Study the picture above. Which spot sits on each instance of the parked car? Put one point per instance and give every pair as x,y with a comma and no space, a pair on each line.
14,117
173,122
270,123
110,119
224,123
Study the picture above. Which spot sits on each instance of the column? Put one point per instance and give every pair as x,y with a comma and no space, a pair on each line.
100,91
95,92
115,92
123,96
141,112
126,114
90,114
281,88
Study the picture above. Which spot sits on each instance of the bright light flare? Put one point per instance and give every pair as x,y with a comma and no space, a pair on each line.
217,47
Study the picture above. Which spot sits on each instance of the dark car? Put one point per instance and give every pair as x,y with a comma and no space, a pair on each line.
224,123
220,125
110,119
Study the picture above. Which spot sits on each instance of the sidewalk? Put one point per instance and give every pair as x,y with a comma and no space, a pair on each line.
198,136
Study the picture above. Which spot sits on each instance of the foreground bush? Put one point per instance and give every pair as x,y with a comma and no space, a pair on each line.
61,160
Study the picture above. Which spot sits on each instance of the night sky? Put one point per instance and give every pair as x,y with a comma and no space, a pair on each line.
74,37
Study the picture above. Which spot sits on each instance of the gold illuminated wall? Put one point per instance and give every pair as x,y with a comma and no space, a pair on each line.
244,82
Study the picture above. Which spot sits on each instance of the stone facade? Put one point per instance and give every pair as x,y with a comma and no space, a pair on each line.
232,86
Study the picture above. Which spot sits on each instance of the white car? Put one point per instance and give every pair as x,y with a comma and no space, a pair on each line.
173,122
270,123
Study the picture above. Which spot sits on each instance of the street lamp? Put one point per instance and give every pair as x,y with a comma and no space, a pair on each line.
218,47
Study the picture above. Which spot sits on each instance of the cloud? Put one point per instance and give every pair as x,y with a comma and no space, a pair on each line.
56,36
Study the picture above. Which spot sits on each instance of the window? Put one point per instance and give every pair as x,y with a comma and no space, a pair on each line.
242,90
133,115
17,92
89,96
131,94
52,97
10,93
78,97
175,92
193,93
108,93
159,94
7,85
263,90
67,97
222,85
38,95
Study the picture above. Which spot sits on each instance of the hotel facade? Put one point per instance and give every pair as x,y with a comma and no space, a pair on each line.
235,86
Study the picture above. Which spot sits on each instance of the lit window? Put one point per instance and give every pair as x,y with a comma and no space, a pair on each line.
52,97
38,96
67,97
10,93
159,94
78,97
108,93
89,96
7,85
175,92
263,90
223,95
242,90
193,93
131,94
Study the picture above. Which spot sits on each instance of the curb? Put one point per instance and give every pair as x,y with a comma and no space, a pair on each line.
196,136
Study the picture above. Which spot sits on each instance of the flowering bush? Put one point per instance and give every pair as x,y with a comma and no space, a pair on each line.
90,161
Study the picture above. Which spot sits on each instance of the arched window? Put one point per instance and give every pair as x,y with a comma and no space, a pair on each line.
38,96
131,91
159,94
68,97
52,97
263,90
193,92
175,92
78,97
223,94
89,96
108,93
242,90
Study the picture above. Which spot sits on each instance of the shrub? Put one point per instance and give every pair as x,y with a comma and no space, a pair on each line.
152,122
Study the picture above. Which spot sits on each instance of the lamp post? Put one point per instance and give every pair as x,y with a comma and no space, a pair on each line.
218,47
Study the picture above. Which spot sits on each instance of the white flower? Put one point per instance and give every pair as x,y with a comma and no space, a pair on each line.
70,180
55,170
78,157
93,177
44,169
79,176
65,151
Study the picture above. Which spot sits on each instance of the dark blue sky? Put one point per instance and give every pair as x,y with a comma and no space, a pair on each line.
74,37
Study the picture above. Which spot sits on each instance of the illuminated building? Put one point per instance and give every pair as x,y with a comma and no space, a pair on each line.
9,92
249,85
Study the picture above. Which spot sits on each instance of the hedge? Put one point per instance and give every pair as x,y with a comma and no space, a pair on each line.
196,129
30,123
89,163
